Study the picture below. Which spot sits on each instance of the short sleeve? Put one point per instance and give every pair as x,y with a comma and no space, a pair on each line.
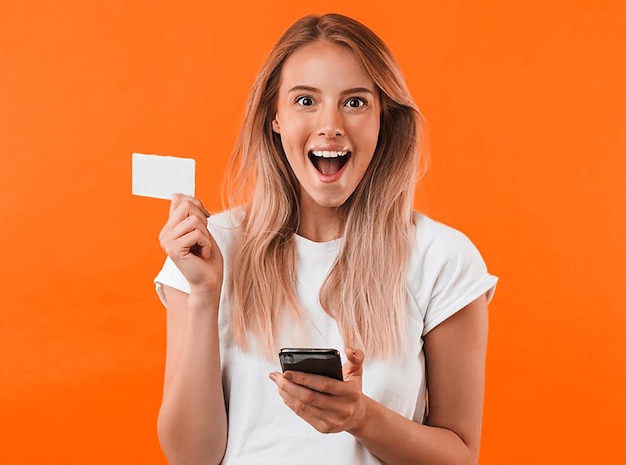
170,276
458,276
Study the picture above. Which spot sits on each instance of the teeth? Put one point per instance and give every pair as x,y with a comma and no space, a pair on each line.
329,153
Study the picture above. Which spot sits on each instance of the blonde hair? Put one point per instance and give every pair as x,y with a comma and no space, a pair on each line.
365,291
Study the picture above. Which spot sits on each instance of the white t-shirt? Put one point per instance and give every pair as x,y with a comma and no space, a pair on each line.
446,272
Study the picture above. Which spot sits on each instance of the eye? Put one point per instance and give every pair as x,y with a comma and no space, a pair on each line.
356,102
304,100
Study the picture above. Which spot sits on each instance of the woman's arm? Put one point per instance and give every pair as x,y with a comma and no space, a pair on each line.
192,419
455,365
455,370
192,423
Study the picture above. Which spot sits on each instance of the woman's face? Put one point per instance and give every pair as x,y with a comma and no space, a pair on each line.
328,117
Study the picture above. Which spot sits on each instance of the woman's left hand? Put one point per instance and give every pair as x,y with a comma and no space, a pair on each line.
329,405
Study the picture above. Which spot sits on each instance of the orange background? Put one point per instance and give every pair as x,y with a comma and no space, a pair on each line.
526,105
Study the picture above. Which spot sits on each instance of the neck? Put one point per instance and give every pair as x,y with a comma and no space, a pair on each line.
319,224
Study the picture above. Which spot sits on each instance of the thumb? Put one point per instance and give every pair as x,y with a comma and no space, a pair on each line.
354,363
202,248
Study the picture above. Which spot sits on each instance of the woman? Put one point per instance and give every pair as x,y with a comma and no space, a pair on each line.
324,250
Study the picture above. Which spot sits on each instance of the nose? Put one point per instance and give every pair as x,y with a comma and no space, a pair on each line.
331,122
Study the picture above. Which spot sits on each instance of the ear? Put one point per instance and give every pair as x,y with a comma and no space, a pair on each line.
275,126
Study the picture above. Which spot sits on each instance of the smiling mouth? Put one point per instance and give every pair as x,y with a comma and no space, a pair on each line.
329,162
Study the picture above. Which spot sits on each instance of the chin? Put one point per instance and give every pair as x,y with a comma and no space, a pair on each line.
331,202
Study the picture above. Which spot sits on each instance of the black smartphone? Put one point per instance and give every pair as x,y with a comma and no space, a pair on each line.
325,362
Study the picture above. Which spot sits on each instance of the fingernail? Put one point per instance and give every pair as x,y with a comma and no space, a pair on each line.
288,376
273,376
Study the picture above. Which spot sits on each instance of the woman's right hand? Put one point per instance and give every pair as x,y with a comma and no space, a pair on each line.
187,241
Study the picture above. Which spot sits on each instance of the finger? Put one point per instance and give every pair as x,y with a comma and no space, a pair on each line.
206,244
193,242
181,214
171,232
354,363
196,243
183,210
321,391
187,225
318,382
182,204
310,395
187,238
323,411
179,198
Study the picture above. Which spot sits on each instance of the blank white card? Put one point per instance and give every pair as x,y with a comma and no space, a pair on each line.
161,177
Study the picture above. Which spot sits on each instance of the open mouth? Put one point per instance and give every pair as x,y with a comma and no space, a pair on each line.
329,162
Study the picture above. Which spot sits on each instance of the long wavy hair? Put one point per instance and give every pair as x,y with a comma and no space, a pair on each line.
365,291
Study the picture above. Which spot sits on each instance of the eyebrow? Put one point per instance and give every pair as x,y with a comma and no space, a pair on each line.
354,90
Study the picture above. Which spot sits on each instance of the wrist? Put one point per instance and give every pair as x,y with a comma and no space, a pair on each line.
202,300
362,417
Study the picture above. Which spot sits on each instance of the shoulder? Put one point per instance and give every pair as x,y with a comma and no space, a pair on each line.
226,220
439,243
446,271
223,226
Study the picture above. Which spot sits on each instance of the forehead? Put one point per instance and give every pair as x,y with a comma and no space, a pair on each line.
322,63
